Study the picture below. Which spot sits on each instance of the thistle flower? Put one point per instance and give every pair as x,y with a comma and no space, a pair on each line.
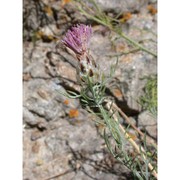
77,39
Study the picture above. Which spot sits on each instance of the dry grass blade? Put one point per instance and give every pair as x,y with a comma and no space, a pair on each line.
139,149
132,125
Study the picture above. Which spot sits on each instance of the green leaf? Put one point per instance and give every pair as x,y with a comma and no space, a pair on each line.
108,143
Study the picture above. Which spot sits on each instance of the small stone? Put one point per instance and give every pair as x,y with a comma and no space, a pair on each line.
35,135
42,125
39,162
29,117
35,147
147,121
26,77
42,93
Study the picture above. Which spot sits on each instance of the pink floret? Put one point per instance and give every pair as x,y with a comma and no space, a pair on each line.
77,39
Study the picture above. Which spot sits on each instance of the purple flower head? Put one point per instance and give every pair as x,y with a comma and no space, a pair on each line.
77,39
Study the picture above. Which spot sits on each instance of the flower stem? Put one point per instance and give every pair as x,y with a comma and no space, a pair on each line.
137,44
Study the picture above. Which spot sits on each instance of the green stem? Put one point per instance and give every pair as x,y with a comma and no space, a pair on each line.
137,44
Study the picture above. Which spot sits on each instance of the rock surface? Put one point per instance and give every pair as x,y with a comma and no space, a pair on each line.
121,5
148,122
60,139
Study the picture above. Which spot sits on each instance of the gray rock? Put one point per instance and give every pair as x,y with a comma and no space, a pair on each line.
49,110
73,134
39,162
29,118
100,47
64,149
132,75
148,122
120,5
39,99
34,58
